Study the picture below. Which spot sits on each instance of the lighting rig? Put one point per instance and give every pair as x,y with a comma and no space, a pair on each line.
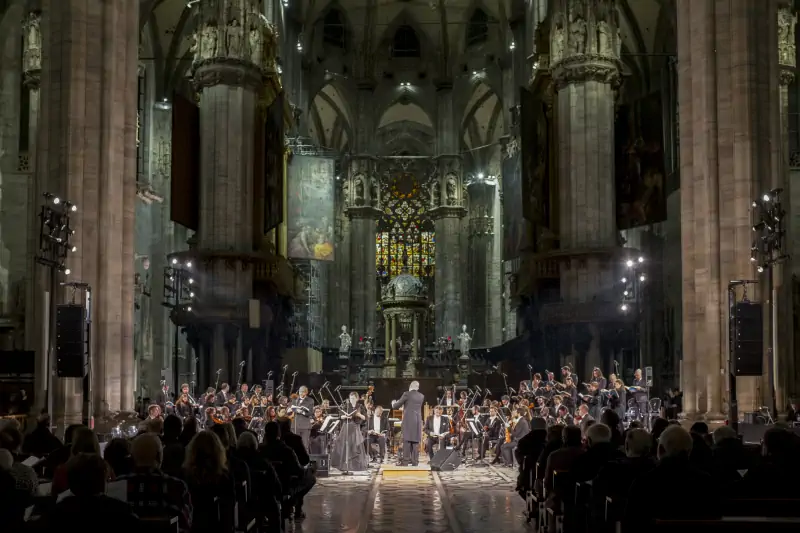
55,236
632,282
179,296
766,252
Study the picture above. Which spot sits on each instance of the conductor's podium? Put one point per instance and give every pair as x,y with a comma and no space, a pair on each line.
422,471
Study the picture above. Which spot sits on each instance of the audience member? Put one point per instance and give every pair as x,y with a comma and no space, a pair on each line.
267,488
776,475
84,441
615,477
117,454
562,460
88,509
61,455
674,489
728,458
611,419
599,451
25,478
174,449
211,485
293,441
237,467
295,479
40,442
189,431
151,492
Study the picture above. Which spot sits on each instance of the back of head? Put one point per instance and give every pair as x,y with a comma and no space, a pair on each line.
553,432
239,425
777,443
586,423
538,423
659,425
154,426
610,418
85,441
220,431
86,474
11,438
285,425
146,451
205,458
414,385
724,433
69,433
701,428
173,426
272,432
638,443
571,436
598,434
674,441
247,441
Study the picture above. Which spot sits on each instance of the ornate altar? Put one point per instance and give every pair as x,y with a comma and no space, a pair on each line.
404,303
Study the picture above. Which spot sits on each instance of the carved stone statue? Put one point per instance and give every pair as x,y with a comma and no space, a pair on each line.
436,194
604,47
374,193
345,341
464,341
234,36
257,47
786,46
208,46
358,198
577,36
32,44
270,45
450,185
618,44
557,46
195,47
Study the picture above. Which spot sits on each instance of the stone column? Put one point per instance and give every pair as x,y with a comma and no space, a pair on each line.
729,141
480,263
87,153
387,338
36,311
234,63
584,58
393,340
785,369
415,336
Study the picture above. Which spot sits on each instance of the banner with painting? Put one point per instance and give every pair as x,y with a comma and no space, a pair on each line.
311,195
640,163
274,162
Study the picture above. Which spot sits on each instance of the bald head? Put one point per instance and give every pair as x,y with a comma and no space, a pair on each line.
146,451
598,434
638,443
674,441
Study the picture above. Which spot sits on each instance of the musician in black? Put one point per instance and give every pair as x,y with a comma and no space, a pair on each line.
377,428
563,417
592,399
492,430
183,407
520,426
468,436
640,393
597,376
318,441
303,409
223,396
242,393
437,429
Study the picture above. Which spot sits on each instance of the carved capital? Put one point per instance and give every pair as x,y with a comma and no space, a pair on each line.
580,69
32,43
224,71
32,79
786,76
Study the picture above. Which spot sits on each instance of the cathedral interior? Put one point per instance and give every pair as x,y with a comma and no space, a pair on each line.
376,189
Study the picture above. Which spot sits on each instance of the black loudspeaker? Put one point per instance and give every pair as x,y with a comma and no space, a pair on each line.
323,464
748,350
446,460
70,341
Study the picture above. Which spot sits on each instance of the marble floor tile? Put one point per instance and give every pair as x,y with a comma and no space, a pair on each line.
408,506
337,503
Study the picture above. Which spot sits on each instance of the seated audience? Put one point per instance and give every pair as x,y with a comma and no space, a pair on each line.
293,441
776,475
237,467
296,480
174,449
728,457
615,478
41,442
531,445
701,455
562,460
674,489
12,501
189,431
211,485
267,489
117,454
25,477
599,451
88,509
61,455
151,492
84,441
611,419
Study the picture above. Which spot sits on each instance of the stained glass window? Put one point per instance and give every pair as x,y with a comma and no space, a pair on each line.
405,236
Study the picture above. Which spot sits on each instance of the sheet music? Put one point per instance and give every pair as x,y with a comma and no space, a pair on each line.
30,461
334,426
325,423
118,490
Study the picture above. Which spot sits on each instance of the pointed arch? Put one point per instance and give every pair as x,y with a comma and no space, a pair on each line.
333,8
477,31
406,18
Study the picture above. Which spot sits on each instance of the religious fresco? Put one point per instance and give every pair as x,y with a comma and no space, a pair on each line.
405,238
640,163
311,207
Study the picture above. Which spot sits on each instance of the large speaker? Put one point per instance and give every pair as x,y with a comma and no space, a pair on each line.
323,464
446,460
748,350
70,341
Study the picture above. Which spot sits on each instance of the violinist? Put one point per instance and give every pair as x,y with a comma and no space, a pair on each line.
183,407
377,427
303,409
243,393
318,441
448,400
520,426
154,412
466,434
563,417
208,419
463,398
492,427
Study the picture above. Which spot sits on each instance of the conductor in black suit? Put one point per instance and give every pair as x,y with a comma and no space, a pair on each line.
303,409
411,403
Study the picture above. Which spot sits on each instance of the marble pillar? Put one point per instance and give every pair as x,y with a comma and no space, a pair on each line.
234,57
87,154
729,151
786,367
447,216
480,263
363,209
585,65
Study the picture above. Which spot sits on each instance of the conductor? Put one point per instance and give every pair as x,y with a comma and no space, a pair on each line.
411,403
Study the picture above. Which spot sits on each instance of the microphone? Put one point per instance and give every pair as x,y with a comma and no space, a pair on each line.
285,367
337,389
512,390
530,368
477,388
326,384
219,371
294,374
269,374
242,363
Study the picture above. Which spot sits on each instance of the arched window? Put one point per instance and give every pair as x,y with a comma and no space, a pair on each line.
478,29
405,43
333,29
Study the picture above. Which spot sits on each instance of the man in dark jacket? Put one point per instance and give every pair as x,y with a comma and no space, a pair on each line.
615,478
294,441
674,489
600,450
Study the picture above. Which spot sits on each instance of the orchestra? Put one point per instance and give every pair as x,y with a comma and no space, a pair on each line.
467,420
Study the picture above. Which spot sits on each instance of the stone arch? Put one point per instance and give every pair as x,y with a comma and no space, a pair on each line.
427,47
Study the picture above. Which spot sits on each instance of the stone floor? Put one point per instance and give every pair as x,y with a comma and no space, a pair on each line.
467,500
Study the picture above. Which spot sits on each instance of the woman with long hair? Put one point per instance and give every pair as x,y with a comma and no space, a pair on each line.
205,471
84,441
